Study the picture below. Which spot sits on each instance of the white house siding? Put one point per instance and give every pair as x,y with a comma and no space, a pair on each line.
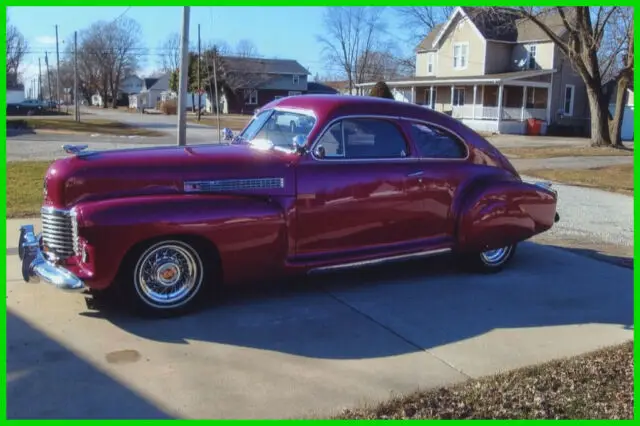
15,96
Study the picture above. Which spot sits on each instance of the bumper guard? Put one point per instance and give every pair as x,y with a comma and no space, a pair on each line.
35,266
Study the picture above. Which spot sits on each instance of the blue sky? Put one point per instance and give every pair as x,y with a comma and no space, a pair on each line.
284,32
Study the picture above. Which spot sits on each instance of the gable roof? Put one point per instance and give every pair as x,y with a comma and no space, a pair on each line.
263,66
427,43
315,87
503,27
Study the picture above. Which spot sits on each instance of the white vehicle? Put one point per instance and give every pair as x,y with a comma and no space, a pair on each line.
295,122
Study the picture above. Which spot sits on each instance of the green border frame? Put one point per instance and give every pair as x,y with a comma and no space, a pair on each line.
3,177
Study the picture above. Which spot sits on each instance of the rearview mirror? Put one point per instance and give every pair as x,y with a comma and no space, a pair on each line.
320,152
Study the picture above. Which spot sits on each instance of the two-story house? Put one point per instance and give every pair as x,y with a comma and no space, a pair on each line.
493,72
250,83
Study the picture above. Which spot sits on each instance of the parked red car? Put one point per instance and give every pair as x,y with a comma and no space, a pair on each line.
365,181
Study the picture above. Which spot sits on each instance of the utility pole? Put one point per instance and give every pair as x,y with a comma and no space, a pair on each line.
57,70
184,71
215,86
199,81
46,62
75,75
39,80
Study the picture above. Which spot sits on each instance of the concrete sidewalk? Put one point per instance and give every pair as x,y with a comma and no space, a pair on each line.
335,342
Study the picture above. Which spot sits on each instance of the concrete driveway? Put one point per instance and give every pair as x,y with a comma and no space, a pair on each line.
332,342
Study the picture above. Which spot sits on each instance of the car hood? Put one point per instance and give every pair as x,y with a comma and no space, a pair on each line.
168,170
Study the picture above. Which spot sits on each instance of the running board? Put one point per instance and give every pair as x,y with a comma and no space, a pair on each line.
378,261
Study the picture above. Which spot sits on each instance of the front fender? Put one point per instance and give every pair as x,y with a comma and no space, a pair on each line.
250,233
498,214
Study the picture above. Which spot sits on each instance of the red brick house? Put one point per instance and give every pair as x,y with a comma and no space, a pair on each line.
250,83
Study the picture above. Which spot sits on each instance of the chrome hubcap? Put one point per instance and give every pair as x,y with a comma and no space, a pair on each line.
496,256
168,275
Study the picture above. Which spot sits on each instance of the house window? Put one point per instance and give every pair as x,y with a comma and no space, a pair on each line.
532,57
460,55
294,93
569,94
296,79
363,138
251,97
458,97
430,62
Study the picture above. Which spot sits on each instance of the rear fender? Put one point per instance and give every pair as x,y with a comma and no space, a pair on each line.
249,233
498,214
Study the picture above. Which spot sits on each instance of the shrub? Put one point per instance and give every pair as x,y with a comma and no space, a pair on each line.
381,90
169,107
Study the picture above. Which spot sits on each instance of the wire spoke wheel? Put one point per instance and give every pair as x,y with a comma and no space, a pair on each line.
168,275
496,257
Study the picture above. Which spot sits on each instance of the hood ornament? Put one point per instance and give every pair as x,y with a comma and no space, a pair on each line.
74,149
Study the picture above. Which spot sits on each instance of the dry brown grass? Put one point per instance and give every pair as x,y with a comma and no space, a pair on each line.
24,187
564,151
67,125
232,121
598,385
617,178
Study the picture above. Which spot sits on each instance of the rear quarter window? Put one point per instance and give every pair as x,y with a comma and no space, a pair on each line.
434,142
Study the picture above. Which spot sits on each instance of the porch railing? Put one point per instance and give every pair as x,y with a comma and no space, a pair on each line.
491,113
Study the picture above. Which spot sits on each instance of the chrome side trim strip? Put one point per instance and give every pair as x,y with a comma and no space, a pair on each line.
379,260
233,184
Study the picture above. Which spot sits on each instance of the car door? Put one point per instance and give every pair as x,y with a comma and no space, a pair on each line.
357,190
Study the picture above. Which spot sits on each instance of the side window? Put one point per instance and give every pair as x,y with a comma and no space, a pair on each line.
363,138
432,142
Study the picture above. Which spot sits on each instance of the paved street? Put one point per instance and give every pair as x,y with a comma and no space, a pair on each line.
333,342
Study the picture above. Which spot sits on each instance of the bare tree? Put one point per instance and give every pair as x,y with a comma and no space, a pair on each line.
585,30
423,19
352,34
170,51
107,53
246,49
619,44
17,47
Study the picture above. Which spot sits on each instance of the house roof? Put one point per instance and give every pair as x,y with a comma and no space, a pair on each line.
504,26
427,42
263,66
149,82
314,87
487,78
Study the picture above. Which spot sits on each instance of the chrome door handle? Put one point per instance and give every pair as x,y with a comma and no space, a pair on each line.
415,174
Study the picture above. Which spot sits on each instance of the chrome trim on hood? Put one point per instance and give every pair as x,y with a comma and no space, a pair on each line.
224,185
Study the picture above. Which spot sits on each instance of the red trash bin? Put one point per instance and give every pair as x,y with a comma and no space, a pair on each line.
534,127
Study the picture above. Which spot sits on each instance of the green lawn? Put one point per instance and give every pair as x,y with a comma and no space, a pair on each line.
86,125
24,187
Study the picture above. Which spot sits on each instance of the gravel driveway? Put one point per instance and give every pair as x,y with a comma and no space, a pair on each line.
593,215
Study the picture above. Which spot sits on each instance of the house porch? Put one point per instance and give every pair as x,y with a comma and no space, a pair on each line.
485,103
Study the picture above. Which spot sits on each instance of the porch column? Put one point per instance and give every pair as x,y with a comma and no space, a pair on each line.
524,101
413,94
475,91
549,93
432,101
500,90
452,89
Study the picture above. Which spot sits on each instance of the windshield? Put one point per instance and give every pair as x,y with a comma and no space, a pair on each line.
278,128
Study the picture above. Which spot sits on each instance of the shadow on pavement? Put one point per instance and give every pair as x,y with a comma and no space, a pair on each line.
34,359
426,304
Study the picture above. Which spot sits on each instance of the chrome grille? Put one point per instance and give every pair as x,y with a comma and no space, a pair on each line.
57,231
233,184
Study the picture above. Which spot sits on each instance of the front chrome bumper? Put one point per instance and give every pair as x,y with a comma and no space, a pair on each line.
35,266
